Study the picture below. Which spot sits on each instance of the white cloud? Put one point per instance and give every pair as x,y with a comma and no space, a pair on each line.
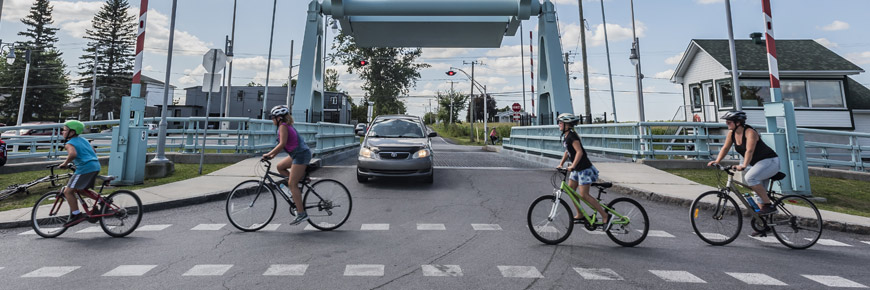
860,57
257,63
511,50
157,37
443,52
72,17
674,60
77,28
835,26
665,74
192,77
827,43
708,1
615,33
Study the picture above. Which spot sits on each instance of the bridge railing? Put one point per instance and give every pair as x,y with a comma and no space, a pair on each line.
684,140
248,136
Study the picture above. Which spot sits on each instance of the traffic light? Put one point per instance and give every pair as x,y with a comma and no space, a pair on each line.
451,73
362,63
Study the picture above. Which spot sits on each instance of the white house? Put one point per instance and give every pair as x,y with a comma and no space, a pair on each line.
814,78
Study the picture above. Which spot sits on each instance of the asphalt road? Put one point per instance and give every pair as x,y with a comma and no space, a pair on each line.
466,231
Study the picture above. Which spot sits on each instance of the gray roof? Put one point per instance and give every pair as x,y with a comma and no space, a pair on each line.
858,96
792,55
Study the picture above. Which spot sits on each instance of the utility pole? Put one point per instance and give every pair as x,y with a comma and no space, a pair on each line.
522,64
586,97
269,62
230,69
94,83
471,102
568,75
452,96
635,59
735,81
485,116
609,70
290,79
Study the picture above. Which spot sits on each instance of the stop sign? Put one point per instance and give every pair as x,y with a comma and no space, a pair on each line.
516,107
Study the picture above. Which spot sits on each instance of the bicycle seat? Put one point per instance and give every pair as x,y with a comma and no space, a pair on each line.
778,176
106,177
53,166
603,185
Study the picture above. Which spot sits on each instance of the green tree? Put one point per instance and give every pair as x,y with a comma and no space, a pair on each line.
391,71
47,85
254,84
112,38
491,110
330,80
459,102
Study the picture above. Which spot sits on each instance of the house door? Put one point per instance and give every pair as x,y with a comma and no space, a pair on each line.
709,102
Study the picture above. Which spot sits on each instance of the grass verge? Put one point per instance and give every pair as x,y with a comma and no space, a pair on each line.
843,195
460,133
21,200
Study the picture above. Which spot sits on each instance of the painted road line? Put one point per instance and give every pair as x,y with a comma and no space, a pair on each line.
268,228
830,242
364,270
519,272
374,227
208,270
677,276
486,227
441,271
91,230
658,234
756,279
52,272
286,270
598,274
431,227
129,270
208,227
768,239
152,228
834,281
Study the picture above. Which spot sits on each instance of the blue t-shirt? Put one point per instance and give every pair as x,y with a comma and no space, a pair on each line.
86,159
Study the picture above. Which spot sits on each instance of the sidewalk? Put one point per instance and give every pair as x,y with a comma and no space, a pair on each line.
180,193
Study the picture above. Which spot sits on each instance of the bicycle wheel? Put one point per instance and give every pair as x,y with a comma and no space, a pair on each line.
124,212
49,214
797,224
251,205
716,218
328,204
9,191
548,230
632,228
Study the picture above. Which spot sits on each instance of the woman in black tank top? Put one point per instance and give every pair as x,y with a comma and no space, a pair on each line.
748,144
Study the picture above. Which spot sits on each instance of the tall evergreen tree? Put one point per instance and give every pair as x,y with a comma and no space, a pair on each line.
112,39
47,85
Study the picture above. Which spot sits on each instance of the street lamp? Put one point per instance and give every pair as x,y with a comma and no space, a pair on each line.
635,61
633,56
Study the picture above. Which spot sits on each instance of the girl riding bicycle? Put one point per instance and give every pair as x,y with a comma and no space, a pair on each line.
582,172
291,142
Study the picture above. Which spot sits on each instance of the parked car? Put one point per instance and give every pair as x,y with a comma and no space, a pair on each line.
33,132
361,127
396,145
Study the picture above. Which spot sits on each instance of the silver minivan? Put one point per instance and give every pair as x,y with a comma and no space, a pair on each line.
396,145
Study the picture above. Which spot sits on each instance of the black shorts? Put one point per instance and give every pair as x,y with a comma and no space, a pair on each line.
83,181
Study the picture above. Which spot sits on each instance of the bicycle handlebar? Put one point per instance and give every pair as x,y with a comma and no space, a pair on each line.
728,169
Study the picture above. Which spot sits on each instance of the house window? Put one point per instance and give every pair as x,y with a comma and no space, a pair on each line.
796,92
726,98
754,93
259,95
240,96
696,97
826,94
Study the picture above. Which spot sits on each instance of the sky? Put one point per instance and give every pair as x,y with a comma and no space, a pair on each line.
664,27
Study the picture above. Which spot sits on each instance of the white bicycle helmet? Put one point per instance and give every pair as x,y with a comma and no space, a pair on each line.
568,118
279,110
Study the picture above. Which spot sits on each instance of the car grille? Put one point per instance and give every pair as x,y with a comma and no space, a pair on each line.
397,172
394,155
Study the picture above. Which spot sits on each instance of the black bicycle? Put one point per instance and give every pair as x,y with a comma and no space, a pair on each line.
251,205
54,179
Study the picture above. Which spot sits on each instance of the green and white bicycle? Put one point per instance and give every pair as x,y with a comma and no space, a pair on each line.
551,220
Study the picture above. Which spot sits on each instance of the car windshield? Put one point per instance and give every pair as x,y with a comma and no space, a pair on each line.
396,128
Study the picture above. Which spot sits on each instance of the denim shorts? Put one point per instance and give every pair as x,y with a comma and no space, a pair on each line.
301,156
585,176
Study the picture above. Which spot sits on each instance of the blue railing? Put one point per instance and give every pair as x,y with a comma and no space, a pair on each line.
683,140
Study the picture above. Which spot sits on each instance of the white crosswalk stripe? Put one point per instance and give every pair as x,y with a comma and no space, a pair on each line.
677,276
830,242
91,230
596,232
30,232
431,227
364,270
598,274
52,272
715,236
309,227
486,227
269,227
441,271
374,227
519,272
129,270
152,228
286,270
208,227
208,270
835,281
767,239
756,279
866,242
658,234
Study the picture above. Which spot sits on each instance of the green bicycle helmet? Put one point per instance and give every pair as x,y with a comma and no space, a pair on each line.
75,125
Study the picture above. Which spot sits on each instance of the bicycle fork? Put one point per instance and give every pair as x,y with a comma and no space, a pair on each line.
557,194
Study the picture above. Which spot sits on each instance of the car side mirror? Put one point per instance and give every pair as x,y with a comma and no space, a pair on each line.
360,133
433,134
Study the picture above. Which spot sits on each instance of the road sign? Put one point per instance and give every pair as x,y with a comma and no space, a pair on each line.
213,80
516,107
214,57
516,117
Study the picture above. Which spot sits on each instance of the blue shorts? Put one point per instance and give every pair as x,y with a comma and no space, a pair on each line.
301,156
585,176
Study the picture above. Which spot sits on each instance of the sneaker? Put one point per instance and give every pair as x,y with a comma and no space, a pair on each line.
75,219
301,217
609,222
767,209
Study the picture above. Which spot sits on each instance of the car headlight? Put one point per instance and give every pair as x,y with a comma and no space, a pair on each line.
365,152
422,153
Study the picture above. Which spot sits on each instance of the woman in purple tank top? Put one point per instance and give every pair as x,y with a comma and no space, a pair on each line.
295,164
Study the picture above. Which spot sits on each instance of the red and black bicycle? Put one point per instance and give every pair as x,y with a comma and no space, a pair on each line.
119,213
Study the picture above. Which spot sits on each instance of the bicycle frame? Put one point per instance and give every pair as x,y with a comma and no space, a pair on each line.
731,187
576,199
90,210
304,185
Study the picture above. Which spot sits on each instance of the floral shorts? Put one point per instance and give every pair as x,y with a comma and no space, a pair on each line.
585,176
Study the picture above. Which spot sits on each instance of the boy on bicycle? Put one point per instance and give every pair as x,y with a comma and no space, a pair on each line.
87,166
582,173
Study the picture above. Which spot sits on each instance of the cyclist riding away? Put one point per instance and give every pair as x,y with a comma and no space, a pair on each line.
82,155
291,142
582,172
760,162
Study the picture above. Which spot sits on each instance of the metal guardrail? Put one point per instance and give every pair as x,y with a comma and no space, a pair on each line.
249,136
686,140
